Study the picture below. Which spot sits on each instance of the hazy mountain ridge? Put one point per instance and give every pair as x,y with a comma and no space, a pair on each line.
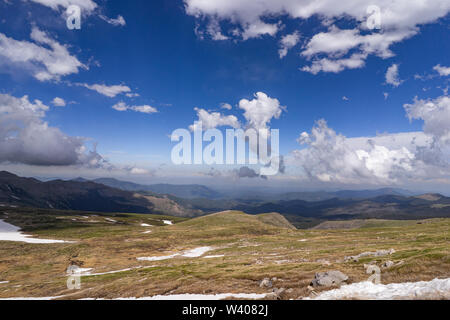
93,196
58,194
182,191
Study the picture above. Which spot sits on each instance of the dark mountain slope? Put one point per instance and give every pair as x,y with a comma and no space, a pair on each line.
73,195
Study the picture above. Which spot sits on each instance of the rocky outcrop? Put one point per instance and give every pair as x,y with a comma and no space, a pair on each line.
379,253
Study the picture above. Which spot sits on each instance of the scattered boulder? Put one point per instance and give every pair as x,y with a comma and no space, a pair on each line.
379,253
329,279
266,283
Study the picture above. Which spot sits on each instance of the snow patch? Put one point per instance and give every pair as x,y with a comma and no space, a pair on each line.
145,225
189,296
158,258
8,232
167,222
435,289
197,252
32,299
193,253
214,256
4,282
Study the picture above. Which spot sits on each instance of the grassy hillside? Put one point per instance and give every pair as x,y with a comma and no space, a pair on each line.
244,250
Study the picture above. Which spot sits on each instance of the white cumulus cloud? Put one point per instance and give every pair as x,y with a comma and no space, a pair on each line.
336,49
260,111
211,120
287,42
86,5
59,102
25,138
109,91
443,71
122,106
45,58
392,76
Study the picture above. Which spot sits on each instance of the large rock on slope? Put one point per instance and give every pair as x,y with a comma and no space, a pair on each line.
329,279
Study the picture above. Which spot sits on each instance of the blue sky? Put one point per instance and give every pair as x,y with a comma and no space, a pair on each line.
168,55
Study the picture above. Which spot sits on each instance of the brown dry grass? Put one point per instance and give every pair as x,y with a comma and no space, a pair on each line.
252,250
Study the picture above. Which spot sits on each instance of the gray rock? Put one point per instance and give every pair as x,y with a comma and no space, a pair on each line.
387,264
329,279
265,283
379,253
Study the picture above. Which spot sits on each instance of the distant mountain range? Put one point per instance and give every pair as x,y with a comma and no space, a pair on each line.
111,195
182,191
195,191
316,195
73,195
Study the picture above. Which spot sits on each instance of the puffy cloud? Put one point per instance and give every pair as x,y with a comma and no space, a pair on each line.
258,28
26,138
109,91
392,76
122,106
331,157
86,5
59,102
287,42
212,120
435,114
226,106
337,43
443,71
355,61
399,20
45,63
260,111
386,158
119,21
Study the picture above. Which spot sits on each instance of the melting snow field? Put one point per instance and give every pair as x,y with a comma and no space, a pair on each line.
194,253
189,296
167,222
8,232
435,289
